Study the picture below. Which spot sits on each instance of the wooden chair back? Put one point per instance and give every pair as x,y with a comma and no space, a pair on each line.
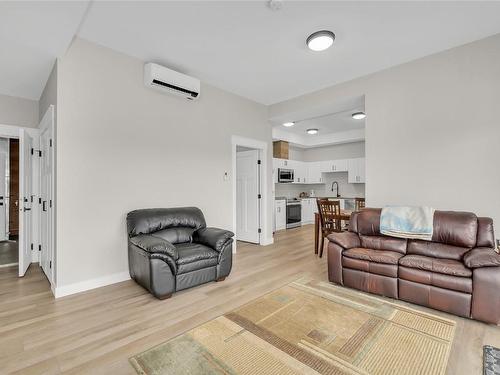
329,215
359,204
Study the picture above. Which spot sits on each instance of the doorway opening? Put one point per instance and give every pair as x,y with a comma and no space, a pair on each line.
9,202
250,196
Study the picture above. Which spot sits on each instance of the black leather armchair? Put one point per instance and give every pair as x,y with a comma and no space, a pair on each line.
171,249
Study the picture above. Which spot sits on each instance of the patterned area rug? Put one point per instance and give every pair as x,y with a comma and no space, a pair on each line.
491,360
309,327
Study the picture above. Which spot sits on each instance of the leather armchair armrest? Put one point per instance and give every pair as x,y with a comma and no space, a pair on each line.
213,237
156,245
346,240
481,257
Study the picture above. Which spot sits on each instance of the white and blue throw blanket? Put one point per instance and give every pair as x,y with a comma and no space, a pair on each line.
407,222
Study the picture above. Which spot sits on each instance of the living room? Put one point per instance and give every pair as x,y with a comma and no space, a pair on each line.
127,204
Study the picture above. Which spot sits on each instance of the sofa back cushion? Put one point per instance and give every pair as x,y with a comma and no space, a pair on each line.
383,243
455,228
436,249
368,222
175,225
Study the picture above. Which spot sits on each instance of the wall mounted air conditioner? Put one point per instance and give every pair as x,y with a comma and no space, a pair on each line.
167,80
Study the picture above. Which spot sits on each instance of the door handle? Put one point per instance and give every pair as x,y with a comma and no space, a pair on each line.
43,206
26,209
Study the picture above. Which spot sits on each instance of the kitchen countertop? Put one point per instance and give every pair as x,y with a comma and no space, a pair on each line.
321,196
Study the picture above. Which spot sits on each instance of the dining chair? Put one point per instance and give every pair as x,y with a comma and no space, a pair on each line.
329,216
359,204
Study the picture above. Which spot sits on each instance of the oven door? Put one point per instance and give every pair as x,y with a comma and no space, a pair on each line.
293,215
285,175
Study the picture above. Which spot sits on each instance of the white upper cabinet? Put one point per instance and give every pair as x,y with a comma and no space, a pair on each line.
356,172
314,174
341,165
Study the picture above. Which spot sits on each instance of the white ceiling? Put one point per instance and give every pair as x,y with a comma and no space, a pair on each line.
32,36
240,46
333,123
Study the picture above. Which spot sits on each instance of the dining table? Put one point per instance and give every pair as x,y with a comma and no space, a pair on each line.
345,215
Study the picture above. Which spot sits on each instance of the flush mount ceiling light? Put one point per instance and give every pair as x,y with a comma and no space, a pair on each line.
288,124
358,115
320,40
312,131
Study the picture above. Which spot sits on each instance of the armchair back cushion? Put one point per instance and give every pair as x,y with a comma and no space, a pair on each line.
175,225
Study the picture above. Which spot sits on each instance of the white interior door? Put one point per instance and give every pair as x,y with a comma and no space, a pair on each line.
25,200
47,194
247,196
3,204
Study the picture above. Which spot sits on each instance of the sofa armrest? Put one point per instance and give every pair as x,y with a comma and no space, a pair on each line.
152,244
213,237
346,240
481,257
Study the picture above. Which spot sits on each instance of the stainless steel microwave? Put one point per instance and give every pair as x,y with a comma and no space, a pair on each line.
285,175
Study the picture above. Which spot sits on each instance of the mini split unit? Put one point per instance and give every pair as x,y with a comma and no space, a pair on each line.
167,80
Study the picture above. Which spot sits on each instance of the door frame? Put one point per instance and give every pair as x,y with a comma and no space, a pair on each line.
266,235
255,203
13,131
51,236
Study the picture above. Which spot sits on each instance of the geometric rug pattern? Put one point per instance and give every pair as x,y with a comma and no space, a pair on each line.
309,327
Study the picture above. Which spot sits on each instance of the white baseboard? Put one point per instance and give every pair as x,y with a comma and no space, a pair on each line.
267,241
66,290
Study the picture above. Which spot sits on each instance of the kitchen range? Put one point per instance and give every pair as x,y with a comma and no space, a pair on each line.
293,213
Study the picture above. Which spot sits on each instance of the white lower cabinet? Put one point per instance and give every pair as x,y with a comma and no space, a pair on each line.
280,214
309,207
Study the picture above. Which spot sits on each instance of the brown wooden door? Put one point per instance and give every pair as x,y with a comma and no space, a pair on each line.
14,188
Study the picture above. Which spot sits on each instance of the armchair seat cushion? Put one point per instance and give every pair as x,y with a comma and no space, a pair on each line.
438,265
194,256
377,256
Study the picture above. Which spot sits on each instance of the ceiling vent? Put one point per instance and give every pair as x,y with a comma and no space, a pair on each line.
167,80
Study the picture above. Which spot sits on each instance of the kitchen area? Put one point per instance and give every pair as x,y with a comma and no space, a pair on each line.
318,153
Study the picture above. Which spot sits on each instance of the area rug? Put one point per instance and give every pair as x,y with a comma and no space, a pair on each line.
491,360
309,327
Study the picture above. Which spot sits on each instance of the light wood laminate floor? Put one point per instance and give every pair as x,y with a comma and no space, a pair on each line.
97,331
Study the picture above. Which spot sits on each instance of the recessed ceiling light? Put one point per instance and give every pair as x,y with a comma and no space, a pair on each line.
320,40
288,124
312,131
358,115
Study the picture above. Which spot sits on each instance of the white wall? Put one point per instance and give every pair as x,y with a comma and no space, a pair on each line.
122,146
432,137
49,94
334,152
18,111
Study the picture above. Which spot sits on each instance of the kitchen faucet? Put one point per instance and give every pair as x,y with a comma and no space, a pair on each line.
337,191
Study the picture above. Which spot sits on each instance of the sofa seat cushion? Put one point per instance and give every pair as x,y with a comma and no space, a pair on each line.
390,270
459,284
377,256
438,265
193,256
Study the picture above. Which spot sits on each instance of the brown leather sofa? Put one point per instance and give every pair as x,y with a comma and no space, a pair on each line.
457,272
